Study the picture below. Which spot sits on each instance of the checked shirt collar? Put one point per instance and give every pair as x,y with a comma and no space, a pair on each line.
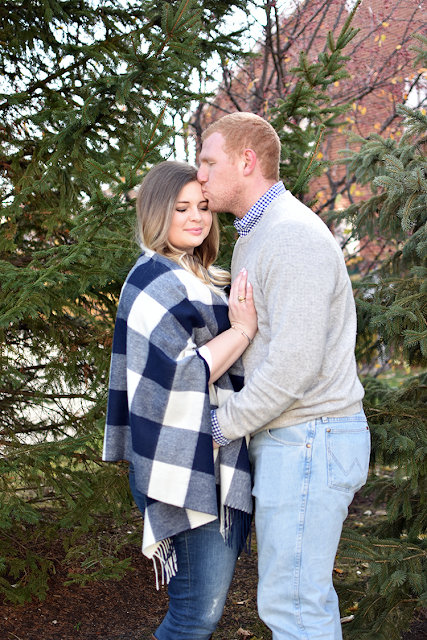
253,216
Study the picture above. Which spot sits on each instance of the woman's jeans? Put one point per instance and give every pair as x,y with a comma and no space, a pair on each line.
305,478
199,589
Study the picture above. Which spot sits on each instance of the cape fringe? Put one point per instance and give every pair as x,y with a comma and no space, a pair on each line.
235,528
166,555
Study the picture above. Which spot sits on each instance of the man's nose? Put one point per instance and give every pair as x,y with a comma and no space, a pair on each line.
201,175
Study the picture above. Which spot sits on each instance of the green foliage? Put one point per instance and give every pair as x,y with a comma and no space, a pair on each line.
307,112
392,312
87,91
396,549
394,295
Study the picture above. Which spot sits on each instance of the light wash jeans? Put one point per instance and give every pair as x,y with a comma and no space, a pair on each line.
305,478
198,591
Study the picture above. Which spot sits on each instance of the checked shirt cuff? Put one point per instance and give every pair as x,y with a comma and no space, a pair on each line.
216,431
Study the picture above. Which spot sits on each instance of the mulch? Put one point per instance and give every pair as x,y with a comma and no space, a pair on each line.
131,608
126,609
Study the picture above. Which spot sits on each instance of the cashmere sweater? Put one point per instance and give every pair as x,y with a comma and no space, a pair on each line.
301,364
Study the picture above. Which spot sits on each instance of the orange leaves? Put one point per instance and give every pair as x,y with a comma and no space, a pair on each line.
380,39
252,84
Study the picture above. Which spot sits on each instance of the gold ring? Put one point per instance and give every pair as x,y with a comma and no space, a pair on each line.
241,298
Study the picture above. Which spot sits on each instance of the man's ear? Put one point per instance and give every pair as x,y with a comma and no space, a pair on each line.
250,160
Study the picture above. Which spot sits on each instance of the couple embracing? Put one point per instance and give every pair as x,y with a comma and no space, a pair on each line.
202,434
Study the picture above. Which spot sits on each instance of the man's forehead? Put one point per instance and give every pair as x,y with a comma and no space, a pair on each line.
213,144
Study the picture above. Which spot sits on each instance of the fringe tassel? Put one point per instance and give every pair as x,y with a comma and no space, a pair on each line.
166,555
235,528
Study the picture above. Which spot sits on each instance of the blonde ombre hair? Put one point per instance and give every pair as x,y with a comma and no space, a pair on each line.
244,130
155,206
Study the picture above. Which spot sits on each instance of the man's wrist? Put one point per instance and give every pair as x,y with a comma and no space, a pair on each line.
216,431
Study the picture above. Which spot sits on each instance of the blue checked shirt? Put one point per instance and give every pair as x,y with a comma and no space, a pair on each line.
253,216
244,226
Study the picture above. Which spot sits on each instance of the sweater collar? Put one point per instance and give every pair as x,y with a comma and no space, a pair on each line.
245,225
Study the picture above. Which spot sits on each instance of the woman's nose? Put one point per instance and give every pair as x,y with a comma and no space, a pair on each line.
195,214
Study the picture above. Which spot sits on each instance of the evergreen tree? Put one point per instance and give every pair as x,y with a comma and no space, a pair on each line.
302,119
86,95
392,309
86,91
307,112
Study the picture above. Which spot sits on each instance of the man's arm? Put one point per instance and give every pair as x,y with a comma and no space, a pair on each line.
296,274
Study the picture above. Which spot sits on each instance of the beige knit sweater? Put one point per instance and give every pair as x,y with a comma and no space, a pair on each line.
301,365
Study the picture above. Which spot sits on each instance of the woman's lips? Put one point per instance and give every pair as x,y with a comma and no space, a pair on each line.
196,231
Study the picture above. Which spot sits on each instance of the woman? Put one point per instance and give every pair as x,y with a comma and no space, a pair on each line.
172,352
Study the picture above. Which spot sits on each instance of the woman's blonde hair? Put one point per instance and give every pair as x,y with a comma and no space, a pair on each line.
155,207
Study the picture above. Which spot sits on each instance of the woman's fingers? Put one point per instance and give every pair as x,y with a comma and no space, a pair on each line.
241,305
242,286
239,288
249,294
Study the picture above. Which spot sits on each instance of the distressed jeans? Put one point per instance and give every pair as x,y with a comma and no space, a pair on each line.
198,591
305,478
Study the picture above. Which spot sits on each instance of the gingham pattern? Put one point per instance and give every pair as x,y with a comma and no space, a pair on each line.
216,431
159,404
250,219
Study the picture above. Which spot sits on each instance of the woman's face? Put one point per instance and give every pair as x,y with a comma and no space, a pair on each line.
192,220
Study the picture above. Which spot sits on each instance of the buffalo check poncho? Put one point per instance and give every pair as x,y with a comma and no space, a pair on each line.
159,404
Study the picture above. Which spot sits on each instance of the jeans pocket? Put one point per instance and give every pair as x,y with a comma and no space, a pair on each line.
348,451
294,436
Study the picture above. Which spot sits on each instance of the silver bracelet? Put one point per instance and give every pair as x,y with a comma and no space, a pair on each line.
242,332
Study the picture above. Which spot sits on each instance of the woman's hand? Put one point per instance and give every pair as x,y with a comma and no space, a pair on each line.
229,345
241,311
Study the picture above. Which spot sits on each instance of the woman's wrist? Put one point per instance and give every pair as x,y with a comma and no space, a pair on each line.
244,334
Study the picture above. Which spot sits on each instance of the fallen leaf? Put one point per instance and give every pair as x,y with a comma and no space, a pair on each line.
347,619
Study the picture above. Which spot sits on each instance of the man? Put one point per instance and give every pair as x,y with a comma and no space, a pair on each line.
301,402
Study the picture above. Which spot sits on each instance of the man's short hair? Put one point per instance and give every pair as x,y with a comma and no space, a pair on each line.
247,131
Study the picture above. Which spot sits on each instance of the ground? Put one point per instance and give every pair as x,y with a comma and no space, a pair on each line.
131,608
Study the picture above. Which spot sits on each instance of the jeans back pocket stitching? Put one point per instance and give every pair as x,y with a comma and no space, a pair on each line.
355,462
332,458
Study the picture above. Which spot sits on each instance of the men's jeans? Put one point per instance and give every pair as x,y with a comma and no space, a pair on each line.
305,478
199,589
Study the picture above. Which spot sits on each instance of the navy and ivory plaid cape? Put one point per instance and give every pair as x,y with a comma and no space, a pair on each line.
159,404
